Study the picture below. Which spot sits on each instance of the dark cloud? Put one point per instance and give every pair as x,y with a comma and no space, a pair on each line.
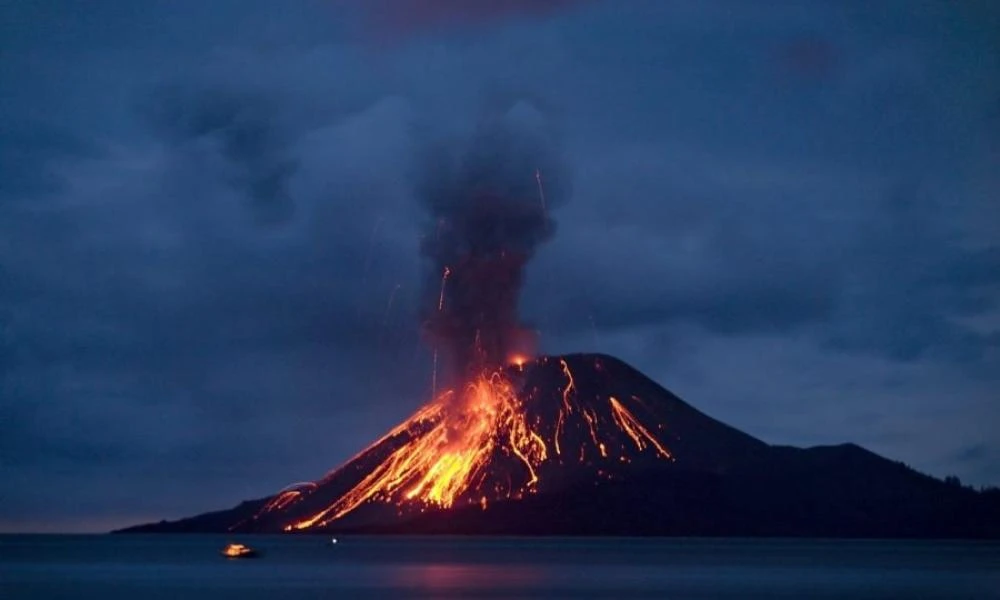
243,127
29,153
738,280
911,279
877,269
975,452
140,312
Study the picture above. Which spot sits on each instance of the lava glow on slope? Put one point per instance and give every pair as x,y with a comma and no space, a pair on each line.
487,442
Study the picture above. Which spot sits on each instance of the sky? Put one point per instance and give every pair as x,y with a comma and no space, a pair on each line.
784,212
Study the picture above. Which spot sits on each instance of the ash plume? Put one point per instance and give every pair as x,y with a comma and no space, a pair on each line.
486,216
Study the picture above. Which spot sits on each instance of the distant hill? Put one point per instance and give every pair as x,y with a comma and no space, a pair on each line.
587,445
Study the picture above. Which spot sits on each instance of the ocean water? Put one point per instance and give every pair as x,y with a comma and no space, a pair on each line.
182,566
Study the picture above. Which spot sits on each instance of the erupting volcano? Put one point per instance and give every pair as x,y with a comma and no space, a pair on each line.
508,434
585,444
573,444
505,427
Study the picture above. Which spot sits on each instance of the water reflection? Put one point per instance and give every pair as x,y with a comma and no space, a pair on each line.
167,567
453,577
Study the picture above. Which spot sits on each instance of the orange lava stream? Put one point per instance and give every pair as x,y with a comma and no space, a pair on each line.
558,434
445,453
591,419
439,467
285,497
282,500
570,386
634,429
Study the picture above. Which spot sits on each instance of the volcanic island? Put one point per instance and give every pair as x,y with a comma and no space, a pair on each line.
586,445
515,443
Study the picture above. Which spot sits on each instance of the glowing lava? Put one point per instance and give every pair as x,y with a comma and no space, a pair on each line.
496,439
445,463
631,426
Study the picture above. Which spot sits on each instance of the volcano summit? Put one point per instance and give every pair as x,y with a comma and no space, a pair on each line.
585,444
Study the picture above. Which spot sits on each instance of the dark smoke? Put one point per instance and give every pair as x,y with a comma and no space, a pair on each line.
486,219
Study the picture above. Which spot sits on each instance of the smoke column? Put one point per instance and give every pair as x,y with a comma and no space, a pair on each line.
485,221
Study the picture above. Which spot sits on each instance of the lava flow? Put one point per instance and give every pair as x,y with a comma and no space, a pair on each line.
511,432
446,458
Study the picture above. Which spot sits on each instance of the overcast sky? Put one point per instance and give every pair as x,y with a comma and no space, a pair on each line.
785,212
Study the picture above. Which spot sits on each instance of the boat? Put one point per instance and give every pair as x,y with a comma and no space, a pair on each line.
239,551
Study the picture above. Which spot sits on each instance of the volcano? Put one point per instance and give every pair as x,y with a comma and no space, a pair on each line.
585,444
576,444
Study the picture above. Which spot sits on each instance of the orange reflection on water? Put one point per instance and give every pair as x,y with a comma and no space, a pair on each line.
452,577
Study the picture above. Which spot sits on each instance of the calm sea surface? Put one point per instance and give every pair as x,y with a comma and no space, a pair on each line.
152,567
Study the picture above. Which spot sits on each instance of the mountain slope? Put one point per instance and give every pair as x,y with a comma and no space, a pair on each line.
585,444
